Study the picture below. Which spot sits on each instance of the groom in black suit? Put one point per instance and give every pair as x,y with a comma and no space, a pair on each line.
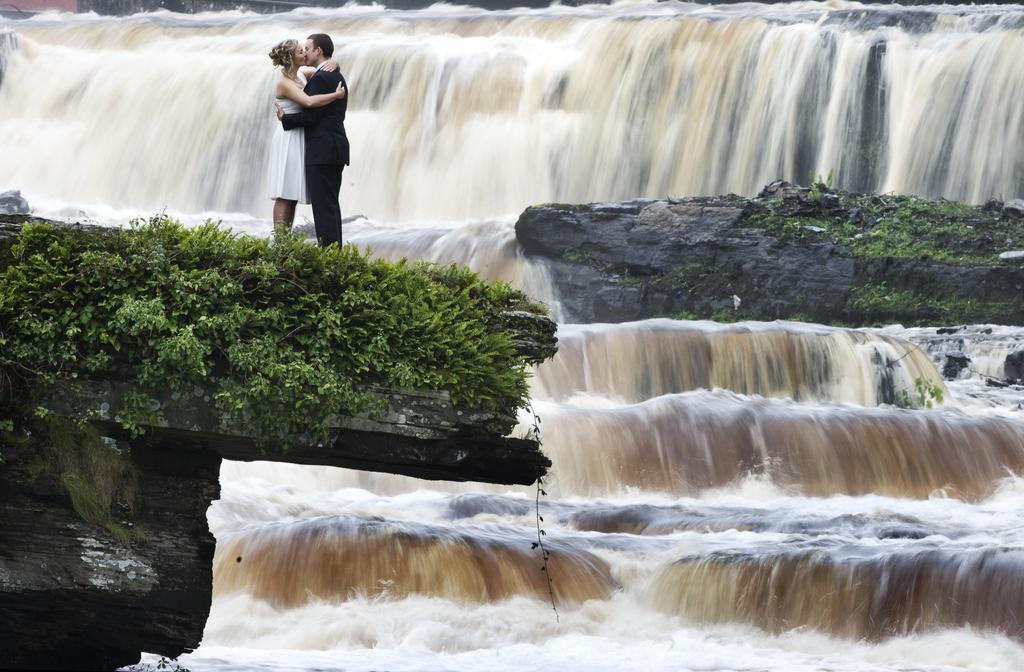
326,142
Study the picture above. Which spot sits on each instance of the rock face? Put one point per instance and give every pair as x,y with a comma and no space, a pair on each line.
955,363
614,262
12,203
1014,208
420,434
73,597
1013,368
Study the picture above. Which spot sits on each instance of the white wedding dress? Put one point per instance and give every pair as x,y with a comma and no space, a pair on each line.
287,177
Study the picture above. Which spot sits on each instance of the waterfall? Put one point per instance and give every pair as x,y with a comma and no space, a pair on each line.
986,346
682,444
463,114
873,593
8,45
744,496
489,248
338,558
785,360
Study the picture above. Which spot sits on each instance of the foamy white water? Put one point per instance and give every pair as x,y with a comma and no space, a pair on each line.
723,497
667,567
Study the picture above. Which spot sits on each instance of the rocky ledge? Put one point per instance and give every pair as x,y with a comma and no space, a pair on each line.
418,433
804,253
90,586
73,596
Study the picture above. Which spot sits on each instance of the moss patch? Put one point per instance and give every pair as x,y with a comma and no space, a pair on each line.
880,302
892,226
99,481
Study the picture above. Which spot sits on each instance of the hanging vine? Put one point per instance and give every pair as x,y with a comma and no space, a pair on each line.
545,554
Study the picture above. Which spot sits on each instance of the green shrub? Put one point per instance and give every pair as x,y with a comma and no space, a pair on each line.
286,333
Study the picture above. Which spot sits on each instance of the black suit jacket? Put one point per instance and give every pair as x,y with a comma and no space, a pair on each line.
326,141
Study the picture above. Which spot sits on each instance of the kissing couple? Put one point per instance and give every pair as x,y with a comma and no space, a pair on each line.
309,150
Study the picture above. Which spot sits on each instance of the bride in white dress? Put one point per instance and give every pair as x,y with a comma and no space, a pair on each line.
287,176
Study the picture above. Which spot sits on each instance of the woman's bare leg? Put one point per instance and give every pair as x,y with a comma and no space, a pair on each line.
284,215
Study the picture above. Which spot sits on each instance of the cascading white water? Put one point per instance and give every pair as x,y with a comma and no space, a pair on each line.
461,114
786,360
987,347
8,45
489,248
691,528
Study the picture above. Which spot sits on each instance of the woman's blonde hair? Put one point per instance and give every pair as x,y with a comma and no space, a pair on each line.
283,55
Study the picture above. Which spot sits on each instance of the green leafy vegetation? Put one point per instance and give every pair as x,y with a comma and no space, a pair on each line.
285,333
926,394
894,226
729,316
818,186
579,257
684,277
886,303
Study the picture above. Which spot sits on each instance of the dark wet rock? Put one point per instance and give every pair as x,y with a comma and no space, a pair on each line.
1014,208
776,187
415,433
1003,384
535,334
1013,368
949,330
886,383
993,206
74,597
955,364
13,203
658,520
688,258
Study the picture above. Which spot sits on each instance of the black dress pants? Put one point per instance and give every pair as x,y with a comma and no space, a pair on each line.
324,182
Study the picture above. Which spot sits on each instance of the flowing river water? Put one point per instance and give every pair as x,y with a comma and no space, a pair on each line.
723,497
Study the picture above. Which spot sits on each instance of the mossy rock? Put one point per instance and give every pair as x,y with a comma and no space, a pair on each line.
284,333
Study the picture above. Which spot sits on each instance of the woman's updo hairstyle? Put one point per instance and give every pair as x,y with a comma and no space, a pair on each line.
283,55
